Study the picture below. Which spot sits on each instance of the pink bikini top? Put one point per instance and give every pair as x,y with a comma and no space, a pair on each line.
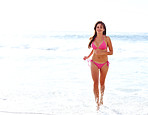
102,46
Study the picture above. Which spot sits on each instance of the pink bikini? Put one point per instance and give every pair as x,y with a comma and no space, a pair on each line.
100,65
103,46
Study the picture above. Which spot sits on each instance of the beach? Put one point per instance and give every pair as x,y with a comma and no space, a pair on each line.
46,74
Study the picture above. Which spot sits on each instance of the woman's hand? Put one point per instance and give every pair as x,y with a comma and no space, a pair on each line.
85,57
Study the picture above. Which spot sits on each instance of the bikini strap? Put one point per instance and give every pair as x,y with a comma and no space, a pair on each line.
103,37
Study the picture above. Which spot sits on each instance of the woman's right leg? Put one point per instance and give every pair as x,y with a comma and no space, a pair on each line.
95,77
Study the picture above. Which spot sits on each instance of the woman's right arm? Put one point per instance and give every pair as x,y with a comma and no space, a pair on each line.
86,57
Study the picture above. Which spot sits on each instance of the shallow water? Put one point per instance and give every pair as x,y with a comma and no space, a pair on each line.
46,74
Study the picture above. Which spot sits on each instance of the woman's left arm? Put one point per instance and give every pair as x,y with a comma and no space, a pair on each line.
109,44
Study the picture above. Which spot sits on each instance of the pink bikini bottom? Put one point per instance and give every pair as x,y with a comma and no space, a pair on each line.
100,65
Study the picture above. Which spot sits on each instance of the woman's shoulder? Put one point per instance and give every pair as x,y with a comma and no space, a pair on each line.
107,38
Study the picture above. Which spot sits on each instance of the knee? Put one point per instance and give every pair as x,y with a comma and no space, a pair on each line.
102,85
95,84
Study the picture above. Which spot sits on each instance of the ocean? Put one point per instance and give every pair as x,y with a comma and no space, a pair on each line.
46,74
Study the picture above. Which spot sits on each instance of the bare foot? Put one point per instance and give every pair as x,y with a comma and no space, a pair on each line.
98,107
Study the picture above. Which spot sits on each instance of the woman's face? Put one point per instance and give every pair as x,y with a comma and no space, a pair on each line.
100,28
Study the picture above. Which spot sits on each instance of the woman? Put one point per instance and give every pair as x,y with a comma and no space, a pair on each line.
101,48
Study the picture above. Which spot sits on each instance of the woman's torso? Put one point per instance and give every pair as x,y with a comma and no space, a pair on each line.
99,45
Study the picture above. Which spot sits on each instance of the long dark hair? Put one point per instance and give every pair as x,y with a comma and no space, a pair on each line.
95,34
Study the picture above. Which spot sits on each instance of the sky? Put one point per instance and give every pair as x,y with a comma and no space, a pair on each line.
39,16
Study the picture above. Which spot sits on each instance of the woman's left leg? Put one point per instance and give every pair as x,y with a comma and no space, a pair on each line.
103,73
